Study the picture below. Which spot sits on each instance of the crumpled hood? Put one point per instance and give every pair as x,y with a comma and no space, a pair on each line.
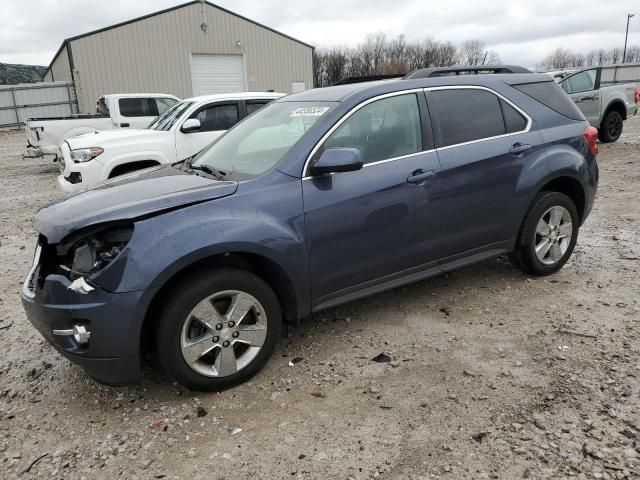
128,197
106,138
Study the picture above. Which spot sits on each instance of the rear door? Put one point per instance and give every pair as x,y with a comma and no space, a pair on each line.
483,143
583,88
215,119
361,226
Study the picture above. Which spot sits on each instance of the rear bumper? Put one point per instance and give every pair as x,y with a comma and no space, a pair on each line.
112,354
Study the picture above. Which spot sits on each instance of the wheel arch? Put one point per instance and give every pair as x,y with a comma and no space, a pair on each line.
132,166
571,187
266,268
616,105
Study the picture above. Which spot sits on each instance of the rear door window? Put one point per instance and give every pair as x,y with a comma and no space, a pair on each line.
138,107
464,114
217,117
383,129
513,120
255,105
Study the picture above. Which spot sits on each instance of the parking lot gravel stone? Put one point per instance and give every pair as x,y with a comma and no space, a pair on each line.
491,374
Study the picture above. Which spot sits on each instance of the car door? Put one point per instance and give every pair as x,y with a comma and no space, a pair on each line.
583,89
483,143
136,112
215,118
361,226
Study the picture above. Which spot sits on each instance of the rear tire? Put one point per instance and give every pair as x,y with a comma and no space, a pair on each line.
548,235
218,329
611,127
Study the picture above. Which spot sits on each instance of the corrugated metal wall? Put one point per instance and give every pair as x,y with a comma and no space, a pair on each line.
60,70
29,100
154,55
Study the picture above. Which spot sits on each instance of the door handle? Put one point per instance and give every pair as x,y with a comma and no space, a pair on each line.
518,148
123,125
588,97
420,176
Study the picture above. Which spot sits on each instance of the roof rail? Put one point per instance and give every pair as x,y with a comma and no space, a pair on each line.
464,70
368,78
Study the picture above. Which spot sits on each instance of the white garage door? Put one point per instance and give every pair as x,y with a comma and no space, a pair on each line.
217,74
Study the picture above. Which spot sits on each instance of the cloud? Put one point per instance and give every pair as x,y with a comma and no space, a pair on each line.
522,32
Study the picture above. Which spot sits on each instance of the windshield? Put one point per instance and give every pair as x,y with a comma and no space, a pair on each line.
168,119
258,143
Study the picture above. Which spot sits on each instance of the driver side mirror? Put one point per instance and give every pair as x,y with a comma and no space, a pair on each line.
190,125
337,160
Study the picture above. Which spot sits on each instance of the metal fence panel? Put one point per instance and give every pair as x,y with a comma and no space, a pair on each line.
29,100
621,73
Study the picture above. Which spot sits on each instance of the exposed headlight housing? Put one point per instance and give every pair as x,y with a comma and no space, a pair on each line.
85,154
89,254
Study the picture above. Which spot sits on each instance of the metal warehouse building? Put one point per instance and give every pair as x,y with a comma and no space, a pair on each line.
193,49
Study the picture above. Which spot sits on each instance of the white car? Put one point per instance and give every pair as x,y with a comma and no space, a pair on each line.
180,133
130,110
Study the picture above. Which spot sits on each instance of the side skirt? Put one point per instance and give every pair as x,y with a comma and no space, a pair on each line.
411,275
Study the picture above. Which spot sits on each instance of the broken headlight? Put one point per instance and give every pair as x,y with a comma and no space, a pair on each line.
93,251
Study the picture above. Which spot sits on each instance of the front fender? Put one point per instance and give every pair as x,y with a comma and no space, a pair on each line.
266,221
123,158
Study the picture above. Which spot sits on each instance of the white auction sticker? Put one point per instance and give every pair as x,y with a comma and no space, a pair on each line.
309,111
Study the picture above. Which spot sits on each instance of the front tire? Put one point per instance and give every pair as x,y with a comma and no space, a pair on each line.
548,235
611,127
218,329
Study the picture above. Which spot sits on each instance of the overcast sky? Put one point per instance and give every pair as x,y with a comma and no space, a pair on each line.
521,31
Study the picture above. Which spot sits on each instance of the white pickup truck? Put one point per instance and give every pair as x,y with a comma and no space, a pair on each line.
180,133
131,110
607,96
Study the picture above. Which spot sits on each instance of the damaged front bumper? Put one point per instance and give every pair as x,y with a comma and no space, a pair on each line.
98,330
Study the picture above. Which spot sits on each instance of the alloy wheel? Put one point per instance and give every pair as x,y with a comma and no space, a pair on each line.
553,235
223,333
614,126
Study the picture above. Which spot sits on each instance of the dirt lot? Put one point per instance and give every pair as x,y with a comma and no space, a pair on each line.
492,374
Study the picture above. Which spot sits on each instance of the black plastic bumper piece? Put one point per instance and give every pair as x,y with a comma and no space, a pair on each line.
110,371
112,354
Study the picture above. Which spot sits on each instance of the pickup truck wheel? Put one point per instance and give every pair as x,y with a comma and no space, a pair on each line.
218,329
611,127
548,235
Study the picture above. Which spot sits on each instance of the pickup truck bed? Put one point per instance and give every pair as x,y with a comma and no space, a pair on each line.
135,110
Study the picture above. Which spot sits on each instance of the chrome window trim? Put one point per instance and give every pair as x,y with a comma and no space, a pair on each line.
416,90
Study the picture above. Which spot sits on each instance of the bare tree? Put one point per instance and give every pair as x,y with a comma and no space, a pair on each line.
472,52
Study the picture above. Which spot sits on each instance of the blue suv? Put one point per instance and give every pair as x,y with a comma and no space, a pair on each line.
317,199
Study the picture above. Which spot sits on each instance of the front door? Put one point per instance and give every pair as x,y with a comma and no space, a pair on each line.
361,226
581,87
215,119
483,145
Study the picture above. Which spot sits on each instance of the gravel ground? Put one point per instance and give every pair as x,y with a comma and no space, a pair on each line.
491,375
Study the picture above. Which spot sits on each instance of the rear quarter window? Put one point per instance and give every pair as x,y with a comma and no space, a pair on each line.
551,96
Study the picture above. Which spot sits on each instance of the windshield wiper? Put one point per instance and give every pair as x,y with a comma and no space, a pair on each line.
219,174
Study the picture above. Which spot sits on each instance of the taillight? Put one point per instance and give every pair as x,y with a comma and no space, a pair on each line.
636,95
591,135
